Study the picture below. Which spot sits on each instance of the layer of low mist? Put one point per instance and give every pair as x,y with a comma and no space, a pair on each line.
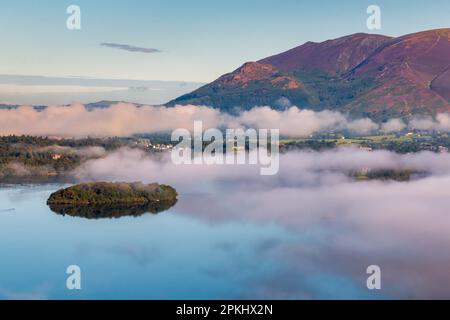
338,226
126,119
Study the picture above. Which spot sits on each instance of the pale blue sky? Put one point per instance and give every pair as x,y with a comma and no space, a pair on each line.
199,39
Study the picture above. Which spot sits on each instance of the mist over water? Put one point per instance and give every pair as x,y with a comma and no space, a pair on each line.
115,187
339,226
309,232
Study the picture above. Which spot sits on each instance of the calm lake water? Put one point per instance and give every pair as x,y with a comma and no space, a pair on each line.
202,248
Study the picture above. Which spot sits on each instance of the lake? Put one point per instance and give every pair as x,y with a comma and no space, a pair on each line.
209,246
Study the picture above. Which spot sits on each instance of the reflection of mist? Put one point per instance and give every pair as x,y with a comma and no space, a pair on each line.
403,227
338,226
21,193
141,255
225,246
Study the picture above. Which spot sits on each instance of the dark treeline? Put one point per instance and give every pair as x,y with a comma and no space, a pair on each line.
107,143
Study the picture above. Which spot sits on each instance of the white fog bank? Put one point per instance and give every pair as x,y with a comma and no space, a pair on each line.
127,119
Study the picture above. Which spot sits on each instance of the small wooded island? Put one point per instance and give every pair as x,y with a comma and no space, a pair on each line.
112,199
94,193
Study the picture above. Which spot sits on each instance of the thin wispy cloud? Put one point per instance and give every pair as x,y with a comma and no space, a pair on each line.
130,48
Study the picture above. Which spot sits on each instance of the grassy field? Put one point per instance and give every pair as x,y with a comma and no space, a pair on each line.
360,140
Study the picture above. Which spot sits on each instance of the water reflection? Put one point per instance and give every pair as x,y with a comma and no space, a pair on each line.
111,210
280,243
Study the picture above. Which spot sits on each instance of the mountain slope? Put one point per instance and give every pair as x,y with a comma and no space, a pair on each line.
332,56
360,74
